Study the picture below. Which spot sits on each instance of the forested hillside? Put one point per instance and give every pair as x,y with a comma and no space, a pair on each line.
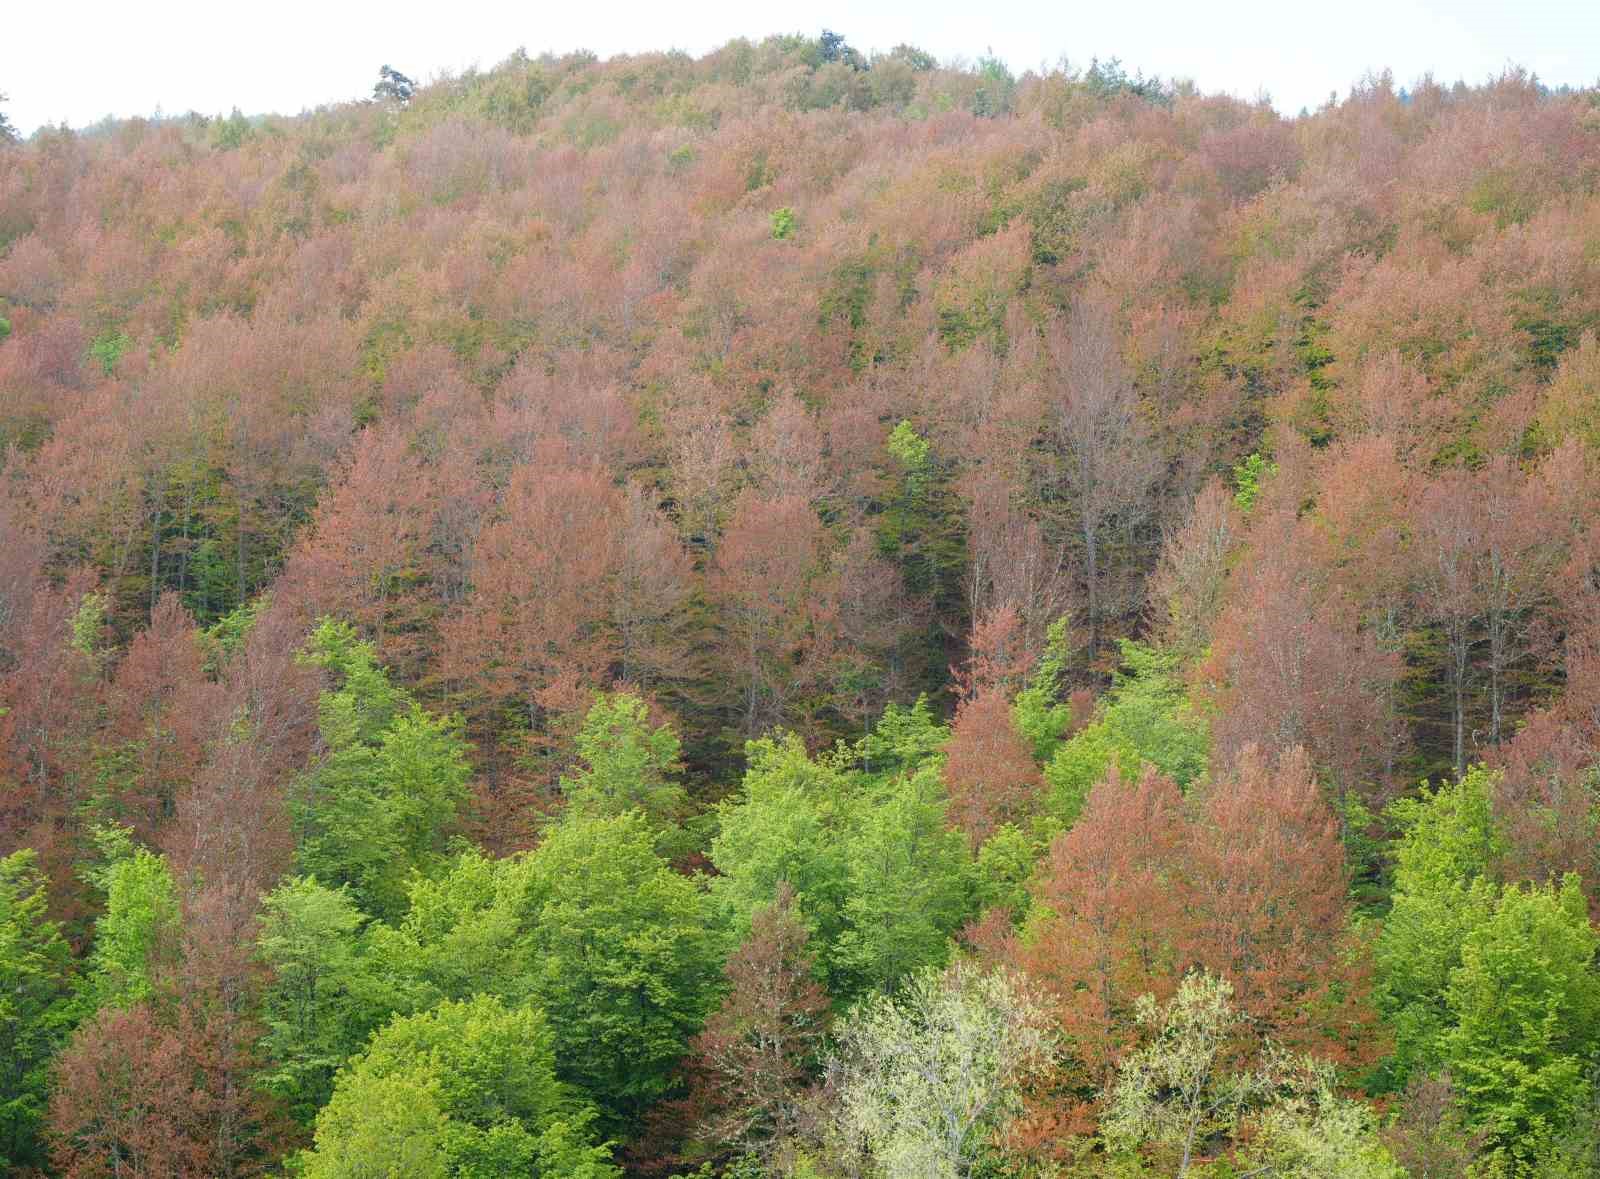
801,614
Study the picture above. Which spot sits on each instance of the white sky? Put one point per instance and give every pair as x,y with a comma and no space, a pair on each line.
77,62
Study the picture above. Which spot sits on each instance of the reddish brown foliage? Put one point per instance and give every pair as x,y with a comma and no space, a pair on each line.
1111,895
771,578
162,708
989,767
759,1050
1292,667
1268,905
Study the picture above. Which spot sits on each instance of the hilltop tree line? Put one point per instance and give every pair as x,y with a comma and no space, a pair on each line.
803,613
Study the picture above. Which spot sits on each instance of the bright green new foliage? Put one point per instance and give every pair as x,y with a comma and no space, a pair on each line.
624,762
1525,1003
466,1089
1145,717
909,887
878,874
37,1007
377,805
782,829
903,740
141,918
458,937
615,946
1038,712
381,1127
323,1001
1440,896
594,927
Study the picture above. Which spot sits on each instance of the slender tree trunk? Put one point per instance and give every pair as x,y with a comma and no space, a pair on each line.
155,552
1458,677
1091,545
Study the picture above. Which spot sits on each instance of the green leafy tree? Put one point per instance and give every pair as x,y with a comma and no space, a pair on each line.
782,829
595,928
376,806
381,1126
879,875
323,1002
1037,711
909,887
37,1007
1525,1008
458,937
466,1089
624,763
1248,476
1448,839
618,952
139,927
903,740
1005,865
1318,1134
1144,717
997,88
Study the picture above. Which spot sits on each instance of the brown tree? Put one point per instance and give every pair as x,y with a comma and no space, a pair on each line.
1110,899
1268,905
775,592
534,630
162,710
989,767
1188,586
759,1052
1291,667
1108,464
121,1105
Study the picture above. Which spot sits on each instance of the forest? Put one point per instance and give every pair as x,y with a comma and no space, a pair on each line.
803,614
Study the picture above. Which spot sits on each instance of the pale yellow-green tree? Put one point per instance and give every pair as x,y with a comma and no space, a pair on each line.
927,1077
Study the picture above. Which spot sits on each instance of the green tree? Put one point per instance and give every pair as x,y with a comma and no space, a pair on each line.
381,1128
624,763
466,1089
458,937
1144,717
1525,1007
376,806
595,928
617,950
1038,712
782,829
922,529
8,132
139,927
323,1002
37,1007
903,740
1447,841
909,887
1248,476
393,86
1318,1134
880,878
